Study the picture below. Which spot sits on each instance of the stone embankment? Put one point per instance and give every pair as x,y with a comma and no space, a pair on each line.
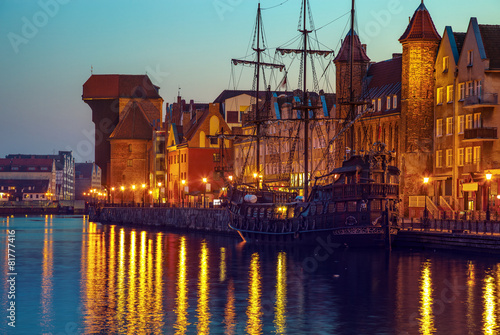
172,218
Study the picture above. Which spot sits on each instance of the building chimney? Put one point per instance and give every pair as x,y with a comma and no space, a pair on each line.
397,55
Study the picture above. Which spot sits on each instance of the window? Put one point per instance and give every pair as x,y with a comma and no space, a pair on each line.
449,93
468,121
468,155
449,125
461,120
44,168
439,127
31,168
216,157
449,157
15,168
394,101
388,103
439,96
374,106
470,57
130,148
379,104
214,140
461,88
478,87
477,155
439,158
460,157
446,63
129,162
470,88
477,120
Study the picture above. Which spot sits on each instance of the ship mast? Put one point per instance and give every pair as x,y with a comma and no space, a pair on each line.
305,108
257,65
351,89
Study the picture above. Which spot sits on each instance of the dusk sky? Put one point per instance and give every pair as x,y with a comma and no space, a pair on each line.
49,46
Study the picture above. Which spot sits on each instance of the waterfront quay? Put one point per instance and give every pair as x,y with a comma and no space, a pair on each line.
465,235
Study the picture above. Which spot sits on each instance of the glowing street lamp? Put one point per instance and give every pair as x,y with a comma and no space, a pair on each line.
426,214
488,179
133,195
123,190
183,183
159,185
150,196
113,195
143,193
204,191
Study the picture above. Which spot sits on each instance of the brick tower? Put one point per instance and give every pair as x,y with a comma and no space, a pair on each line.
108,96
420,43
343,81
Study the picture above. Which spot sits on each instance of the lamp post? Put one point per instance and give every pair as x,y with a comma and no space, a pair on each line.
123,190
255,175
204,191
159,185
113,196
426,214
133,195
150,197
488,179
143,193
181,195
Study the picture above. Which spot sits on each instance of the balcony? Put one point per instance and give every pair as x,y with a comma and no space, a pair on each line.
480,134
483,100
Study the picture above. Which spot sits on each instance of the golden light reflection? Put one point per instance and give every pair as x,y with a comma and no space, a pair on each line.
182,291
489,311
426,319
158,287
222,265
281,295
132,290
471,282
143,297
203,310
229,311
121,314
111,275
254,309
47,274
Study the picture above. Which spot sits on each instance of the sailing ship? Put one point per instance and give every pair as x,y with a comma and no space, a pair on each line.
357,207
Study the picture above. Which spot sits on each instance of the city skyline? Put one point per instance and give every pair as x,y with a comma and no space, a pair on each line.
50,48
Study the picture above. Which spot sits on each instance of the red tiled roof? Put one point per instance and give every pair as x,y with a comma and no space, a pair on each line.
344,53
134,124
32,162
421,27
490,35
118,85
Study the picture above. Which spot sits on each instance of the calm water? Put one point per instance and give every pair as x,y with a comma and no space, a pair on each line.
79,277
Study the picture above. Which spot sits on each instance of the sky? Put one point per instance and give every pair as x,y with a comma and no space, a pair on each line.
49,48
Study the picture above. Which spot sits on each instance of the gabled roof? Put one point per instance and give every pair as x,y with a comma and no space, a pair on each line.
491,41
359,52
26,185
455,40
84,169
134,124
421,27
119,85
194,128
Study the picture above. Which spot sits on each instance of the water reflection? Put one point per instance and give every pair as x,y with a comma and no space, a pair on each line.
280,306
426,315
229,311
471,278
203,310
490,303
254,309
182,291
47,274
222,265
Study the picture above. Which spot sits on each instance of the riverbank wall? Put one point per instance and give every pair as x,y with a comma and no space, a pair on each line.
172,218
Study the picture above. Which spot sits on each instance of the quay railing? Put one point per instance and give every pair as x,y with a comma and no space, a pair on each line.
452,226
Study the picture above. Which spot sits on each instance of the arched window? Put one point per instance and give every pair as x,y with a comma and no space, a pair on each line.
202,139
214,125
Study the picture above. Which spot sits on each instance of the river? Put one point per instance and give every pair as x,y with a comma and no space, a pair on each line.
72,276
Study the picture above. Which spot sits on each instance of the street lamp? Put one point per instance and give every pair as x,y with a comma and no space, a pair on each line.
159,185
183,182
123,190
113,195
426,214
143,193
488,179
150,197
204,191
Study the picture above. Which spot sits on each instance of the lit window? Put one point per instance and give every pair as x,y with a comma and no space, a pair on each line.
461,120
439,127
460,157
446,61
478,87
477,155
439,96
130,148
470,88
394,101
388,103
477,120
461,88
468,121
374,106
439,158
449,125
449,93
129,162
379,104
449,157
468,155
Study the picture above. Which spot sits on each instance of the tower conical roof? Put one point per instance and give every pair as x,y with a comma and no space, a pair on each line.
421,27
359,52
